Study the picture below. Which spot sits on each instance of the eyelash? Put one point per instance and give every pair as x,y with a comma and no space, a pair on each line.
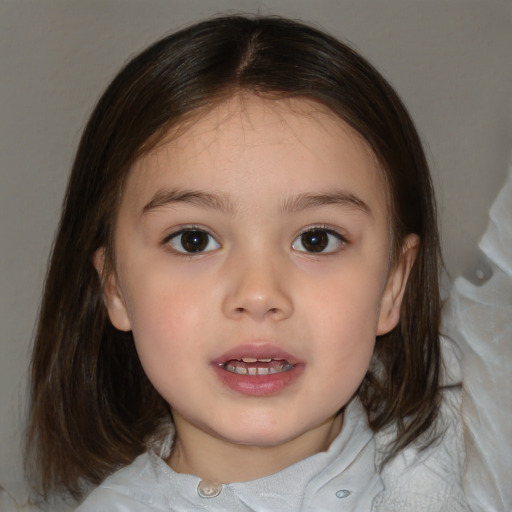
205,246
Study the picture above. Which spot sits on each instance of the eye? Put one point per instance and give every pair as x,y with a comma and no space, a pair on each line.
318,240
192,241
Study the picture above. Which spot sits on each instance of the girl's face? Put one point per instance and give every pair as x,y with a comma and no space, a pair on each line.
252,265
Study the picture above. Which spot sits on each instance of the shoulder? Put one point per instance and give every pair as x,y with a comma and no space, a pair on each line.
429,479
134,488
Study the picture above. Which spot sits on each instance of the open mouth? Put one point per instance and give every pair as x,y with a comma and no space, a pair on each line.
257,369
253,366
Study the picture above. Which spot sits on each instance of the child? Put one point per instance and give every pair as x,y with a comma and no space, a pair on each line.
241,310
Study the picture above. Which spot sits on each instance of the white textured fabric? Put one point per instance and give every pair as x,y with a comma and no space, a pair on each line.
479,319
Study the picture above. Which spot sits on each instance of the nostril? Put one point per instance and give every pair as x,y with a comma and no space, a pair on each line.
242,303
270,311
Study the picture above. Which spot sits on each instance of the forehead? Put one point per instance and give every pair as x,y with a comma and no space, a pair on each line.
296,141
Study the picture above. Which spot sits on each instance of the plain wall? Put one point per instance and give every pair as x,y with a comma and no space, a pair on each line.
450,61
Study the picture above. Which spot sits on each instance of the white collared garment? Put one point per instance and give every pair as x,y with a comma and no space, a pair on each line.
343,478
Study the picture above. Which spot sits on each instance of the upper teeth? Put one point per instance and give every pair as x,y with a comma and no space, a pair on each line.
254,360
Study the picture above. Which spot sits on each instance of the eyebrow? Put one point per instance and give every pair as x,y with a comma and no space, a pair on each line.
301,202
337,198
167,197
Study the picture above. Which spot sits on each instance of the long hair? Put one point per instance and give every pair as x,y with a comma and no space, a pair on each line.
92,407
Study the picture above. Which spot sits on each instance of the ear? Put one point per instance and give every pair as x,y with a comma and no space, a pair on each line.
112,294
395,286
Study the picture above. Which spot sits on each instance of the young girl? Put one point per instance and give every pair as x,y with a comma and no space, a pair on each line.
241,310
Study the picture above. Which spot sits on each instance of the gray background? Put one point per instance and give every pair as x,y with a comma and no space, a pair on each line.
450,61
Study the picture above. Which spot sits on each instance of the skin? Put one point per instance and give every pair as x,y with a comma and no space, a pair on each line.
255,283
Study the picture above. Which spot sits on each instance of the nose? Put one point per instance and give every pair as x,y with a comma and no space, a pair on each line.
257,289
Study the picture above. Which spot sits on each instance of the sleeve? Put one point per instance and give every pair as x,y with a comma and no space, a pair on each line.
479,319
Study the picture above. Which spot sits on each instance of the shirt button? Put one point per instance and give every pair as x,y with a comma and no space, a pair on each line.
209,489
343,493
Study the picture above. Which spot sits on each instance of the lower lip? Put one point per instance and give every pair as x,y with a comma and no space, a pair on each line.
258,385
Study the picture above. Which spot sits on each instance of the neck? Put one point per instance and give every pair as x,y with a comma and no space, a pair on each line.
208,457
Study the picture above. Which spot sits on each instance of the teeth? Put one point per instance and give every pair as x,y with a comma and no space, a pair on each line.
241,370
254,360
279,367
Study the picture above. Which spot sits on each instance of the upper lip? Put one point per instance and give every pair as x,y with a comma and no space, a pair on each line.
261,350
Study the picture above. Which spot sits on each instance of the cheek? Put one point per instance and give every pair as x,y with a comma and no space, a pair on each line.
342,316
166,334
349,333
346,297
165,315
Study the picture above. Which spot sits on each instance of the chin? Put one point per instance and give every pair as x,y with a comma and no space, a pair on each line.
258,434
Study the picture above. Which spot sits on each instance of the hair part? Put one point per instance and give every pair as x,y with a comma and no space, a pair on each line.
92,407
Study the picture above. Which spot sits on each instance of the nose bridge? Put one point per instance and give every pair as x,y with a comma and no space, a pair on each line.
257,287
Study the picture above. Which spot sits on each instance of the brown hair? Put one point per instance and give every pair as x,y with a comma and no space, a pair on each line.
92,407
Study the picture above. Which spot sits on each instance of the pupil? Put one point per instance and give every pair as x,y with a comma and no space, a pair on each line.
315,241
194,241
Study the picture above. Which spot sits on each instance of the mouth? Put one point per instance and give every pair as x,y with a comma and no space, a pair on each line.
257,369
255,366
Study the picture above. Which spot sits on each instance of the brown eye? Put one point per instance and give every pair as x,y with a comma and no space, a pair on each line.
192,241
318,241
314,241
